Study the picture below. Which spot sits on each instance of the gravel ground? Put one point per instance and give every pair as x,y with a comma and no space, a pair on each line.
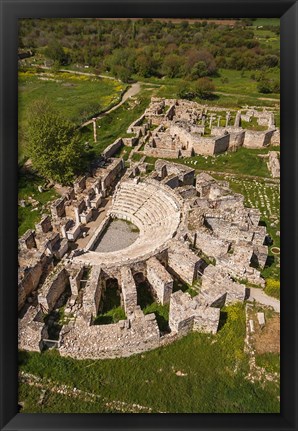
264,299
119,235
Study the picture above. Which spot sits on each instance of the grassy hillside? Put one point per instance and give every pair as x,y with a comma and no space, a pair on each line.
212,372
76,97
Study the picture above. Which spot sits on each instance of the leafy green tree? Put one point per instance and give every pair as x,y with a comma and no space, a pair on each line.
172,65
267,86
204,88
199,70
122,73
145,65
270,60
55,52
53,144
186,91
121,63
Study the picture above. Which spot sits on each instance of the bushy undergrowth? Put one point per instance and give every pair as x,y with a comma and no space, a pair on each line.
273,288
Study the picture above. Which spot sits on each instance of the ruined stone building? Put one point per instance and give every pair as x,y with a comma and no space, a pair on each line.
193,231
173,129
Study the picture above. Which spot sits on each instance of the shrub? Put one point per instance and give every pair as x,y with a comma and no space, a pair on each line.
273,288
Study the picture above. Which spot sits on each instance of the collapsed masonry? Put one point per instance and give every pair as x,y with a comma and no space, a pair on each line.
274,164
192,231
53,235
171,128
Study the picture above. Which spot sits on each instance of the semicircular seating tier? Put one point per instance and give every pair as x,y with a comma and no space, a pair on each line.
153,208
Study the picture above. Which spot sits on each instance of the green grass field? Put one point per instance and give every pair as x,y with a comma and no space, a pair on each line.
215,367
266,21
115,124
75,97
58,403
239,88
243,162
241,83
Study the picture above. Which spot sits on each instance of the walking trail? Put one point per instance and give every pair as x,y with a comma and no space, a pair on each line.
132,91
261,297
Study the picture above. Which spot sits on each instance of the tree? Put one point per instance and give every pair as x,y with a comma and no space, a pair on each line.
199,70
145,65
172,65
186,91
55,52
267,86
53,144
121,63
204,88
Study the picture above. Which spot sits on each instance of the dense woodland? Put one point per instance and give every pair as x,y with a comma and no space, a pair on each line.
151,48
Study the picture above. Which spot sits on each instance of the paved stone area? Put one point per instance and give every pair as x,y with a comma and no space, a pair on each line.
119,235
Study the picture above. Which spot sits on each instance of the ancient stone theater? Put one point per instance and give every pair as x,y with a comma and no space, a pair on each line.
183,236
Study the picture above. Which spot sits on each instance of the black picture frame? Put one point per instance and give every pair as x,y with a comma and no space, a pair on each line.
11,11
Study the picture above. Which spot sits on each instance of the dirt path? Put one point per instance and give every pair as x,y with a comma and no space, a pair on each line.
261,297
132,91
77,72
221,93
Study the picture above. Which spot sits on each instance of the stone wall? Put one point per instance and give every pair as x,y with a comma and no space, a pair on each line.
75,276
53,288
257,139
45,225
28,240
275,139
30,331
122,339
113,171
218,289
274,164
221,144
181,131
61,249
97,234
113,148
136,123
162,152
130,142
129,290
187,314
92,294
185,174
30,282
210,245
206,319
58,207
160,280
80,184
183,262
204,146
